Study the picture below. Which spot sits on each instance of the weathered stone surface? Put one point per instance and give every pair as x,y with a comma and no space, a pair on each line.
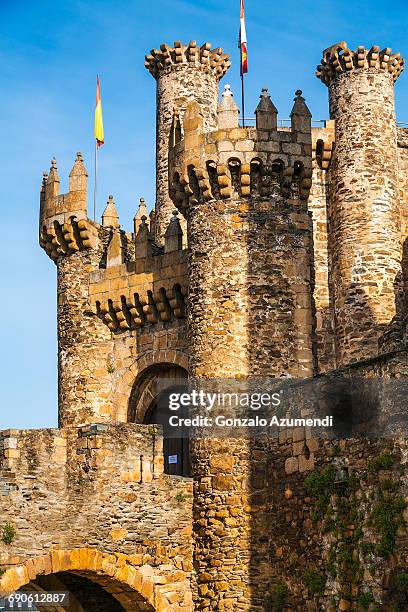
294,264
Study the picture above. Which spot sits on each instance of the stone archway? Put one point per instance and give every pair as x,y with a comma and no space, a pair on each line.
149,404
126,382
151,381
137,588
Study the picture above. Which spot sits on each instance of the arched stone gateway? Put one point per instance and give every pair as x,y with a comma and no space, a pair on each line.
135,588
149,404
124,393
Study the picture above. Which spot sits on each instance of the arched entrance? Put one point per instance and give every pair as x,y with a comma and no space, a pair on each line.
87,592
109,581
149,404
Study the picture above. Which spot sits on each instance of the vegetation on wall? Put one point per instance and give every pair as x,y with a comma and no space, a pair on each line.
8,533
362,529
276,601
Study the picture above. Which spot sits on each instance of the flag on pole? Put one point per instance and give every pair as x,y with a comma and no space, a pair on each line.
98,127
243,41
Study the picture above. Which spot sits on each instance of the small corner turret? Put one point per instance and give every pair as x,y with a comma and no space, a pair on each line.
300,115
228,111
64,226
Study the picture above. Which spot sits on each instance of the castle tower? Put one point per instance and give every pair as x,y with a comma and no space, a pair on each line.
71,240
183,73
244,193
364,215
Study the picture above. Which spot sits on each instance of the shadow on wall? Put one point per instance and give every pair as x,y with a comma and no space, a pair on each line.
394,337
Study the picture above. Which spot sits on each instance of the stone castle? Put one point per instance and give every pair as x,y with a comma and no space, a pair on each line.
273,251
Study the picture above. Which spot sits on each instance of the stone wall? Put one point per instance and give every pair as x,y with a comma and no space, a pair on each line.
272,533
96,488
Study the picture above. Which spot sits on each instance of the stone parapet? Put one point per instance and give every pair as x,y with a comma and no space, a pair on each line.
72,493
204,57
112,470
339,59
145,291
64,227
243,161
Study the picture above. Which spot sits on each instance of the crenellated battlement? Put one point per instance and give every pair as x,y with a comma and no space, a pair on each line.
339,59
242,162
204,57
131,281
323,139
61,207
64,225
149,290
69,237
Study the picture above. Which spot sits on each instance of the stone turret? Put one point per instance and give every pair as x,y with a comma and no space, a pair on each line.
72,241
109,282
244,192
364,216
141,212
183,73
110,217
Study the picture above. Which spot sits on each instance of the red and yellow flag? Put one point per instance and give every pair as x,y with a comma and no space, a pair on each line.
243,41
98,126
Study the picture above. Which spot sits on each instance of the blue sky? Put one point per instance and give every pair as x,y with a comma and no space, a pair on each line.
49,55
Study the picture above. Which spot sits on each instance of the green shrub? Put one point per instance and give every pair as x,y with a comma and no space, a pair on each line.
367,548
401,582
321,486
365,600
9,533
315,582
275,602
383,462
281,594
386,518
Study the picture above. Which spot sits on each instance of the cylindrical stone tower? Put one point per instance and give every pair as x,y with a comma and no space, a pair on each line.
71,240
244,193
364,212
183,73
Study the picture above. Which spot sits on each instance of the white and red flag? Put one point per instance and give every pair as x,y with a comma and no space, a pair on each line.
243,40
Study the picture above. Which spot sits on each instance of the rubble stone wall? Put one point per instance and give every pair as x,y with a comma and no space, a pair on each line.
96,488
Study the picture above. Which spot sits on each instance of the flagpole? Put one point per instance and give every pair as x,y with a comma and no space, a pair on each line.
243,97
95,181
243,58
